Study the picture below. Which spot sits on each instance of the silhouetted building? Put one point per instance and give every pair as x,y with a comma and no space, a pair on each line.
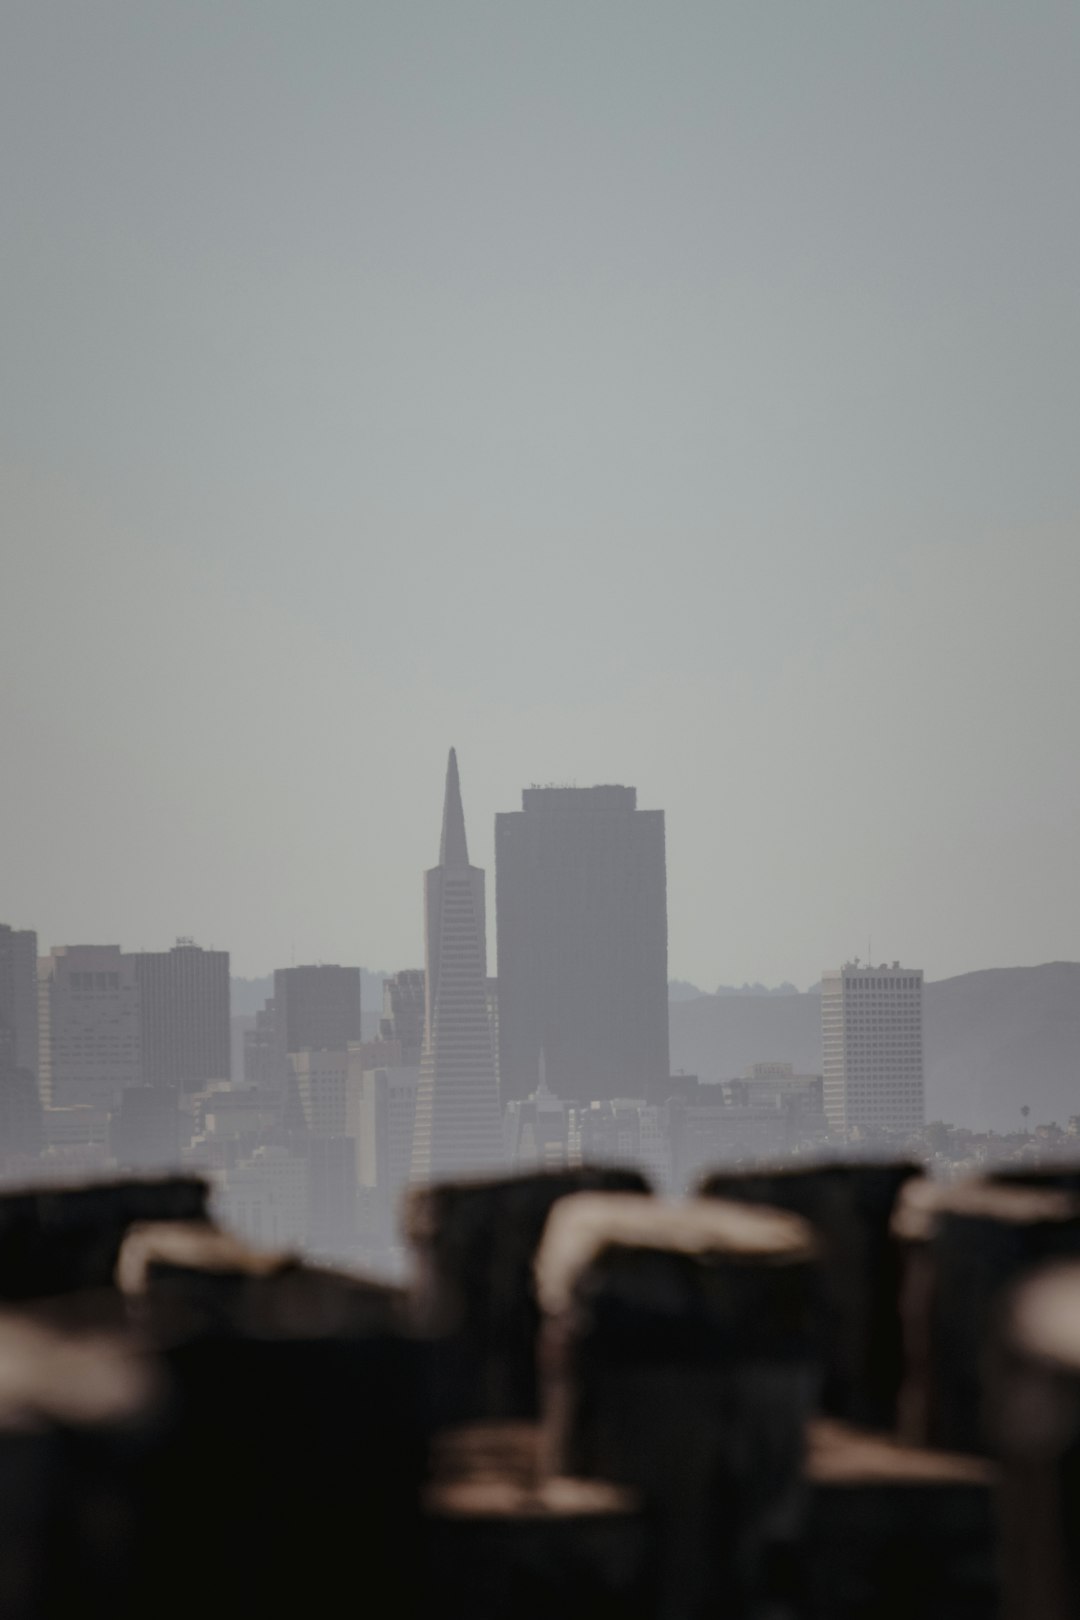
403,1013
262,1056
493,1021
146,1128
458,1122
18,1000
581,909
872,1036
21,1137
317,1008
184,1013
90,1029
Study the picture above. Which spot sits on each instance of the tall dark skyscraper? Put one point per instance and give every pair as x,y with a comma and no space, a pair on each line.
458,1121
314,1008
317,1007
184,1014
18,1000
20,1104
581,911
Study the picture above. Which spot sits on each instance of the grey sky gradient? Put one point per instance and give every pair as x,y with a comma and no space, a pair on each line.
676,394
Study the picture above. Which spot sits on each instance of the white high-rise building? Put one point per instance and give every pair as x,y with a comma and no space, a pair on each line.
872,1034
458,1120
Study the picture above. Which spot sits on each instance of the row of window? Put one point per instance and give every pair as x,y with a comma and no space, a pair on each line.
93,981
904,982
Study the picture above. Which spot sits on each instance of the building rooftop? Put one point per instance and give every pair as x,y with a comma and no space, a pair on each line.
606,796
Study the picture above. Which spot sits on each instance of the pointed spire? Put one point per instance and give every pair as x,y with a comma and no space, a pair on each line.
453,851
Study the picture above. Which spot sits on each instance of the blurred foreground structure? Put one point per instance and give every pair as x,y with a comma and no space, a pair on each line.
836,1393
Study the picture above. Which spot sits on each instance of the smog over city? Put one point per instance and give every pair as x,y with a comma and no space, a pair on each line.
539,899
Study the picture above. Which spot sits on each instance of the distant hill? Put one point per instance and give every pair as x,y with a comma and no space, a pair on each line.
758,989
1003,1038
995,1040
683,990
716,1037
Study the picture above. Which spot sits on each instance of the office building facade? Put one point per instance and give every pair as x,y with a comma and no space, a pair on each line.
872,1041
186,1037
90,1026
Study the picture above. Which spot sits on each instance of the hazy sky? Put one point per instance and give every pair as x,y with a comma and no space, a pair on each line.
678,394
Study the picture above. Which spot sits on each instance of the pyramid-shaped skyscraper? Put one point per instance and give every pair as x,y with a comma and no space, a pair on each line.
458,1128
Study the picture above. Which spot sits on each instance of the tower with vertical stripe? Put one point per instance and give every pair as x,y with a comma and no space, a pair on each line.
458,1129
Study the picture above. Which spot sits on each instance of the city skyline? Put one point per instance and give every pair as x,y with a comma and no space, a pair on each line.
313,1133
634,1175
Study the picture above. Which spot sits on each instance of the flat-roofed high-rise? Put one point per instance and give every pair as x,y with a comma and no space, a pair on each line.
18,1000
581,914
317,1007
184,1012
